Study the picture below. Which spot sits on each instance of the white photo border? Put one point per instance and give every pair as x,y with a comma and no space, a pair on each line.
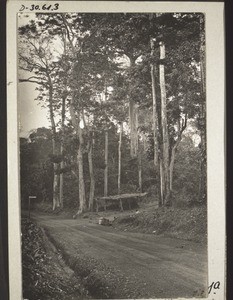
215,82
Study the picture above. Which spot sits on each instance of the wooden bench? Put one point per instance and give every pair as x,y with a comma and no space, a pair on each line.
102,201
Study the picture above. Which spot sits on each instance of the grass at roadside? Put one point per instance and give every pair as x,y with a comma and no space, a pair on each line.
45,276
185,223
188,223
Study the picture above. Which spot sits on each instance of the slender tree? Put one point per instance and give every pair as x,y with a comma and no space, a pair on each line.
76,117
139,166
41,64
164,123
91,171
156,128
119,158
106,164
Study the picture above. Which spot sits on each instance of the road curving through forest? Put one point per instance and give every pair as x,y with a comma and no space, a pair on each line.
117,264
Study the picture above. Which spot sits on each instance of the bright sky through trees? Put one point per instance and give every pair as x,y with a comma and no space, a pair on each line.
32,114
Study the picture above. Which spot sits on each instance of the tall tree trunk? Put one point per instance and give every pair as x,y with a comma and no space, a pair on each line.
92,177
75,122
62,149
119,159
106,165
202,179
203,164
164,123
63,112
82,195
139,167
154,111
172,162
155,126
61,195
76,119
104,99
162,185
133,120
56,202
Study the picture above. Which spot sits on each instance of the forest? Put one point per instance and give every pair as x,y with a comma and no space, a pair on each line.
126,98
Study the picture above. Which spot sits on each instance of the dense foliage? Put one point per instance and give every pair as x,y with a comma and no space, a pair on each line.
93,72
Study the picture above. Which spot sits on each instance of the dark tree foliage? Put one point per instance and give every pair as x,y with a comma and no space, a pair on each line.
35,167
106,63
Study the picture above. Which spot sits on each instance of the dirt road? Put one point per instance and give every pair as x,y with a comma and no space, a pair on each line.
115,264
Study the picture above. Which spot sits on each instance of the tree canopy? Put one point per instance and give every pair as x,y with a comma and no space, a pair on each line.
116,73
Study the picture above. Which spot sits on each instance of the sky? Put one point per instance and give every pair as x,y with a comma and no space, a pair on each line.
31,114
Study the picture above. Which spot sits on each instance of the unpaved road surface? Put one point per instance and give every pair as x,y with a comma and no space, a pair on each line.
116,264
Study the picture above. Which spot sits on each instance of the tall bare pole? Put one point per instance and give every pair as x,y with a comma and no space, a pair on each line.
154,104
62,149
119,158
63,114
106,150
155,125
75,118
164,122
106,165
91,171
139,167
56,200
83,204
133,120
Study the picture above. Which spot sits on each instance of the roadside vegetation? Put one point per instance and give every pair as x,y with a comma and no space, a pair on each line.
45,275
183,223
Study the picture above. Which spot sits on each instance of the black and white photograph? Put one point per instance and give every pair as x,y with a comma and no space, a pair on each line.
113,153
